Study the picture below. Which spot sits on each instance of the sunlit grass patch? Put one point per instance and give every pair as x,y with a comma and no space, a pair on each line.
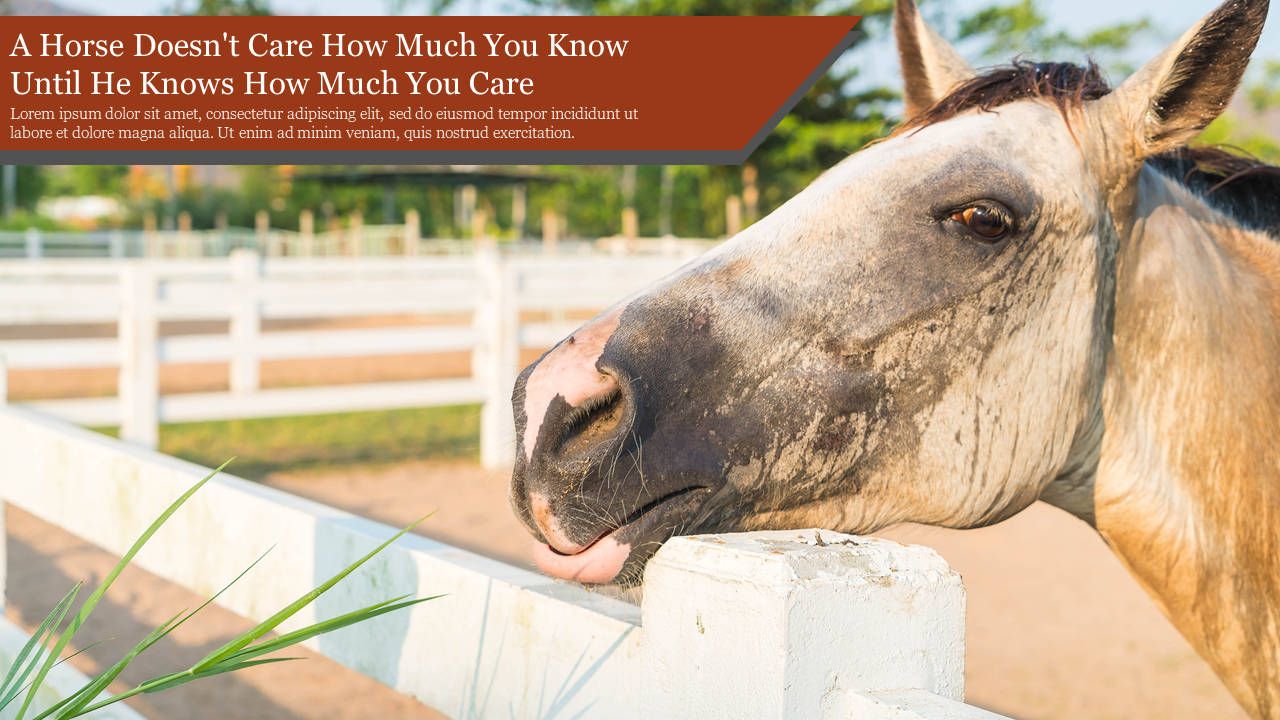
267,445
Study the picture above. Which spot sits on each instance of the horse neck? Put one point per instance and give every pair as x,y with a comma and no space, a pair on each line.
1188,485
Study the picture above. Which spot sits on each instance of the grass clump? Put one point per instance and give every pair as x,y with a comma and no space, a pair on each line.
267,445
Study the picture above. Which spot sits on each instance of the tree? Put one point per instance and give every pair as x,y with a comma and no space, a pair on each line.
1264,93
224,8
829,123
1023,28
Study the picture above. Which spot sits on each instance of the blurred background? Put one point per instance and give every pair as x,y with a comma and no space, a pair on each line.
379,401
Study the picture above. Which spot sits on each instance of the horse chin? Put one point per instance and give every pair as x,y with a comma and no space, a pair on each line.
618,556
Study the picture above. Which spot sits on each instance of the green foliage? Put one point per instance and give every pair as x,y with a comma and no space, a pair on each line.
87,180
31,183
721,7
426,7
828,124
224,8
41,652
1023,28
1227,131
1264,93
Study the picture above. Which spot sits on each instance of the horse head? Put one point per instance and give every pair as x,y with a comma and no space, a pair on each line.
920,335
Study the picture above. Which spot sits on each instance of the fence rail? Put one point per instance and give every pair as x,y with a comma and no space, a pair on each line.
486,293
770,625
356,241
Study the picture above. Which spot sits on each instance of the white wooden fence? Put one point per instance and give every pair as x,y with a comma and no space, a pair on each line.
246,289
784,625
357,240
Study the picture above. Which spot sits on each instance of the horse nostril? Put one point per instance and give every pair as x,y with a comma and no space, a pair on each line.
592,421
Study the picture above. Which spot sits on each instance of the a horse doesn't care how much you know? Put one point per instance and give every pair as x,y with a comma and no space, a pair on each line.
1034,289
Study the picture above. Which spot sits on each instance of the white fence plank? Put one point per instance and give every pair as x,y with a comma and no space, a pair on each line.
246,321
284,345
273,402
502,642
139,385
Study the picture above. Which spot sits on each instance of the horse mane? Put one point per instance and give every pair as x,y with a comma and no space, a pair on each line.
1240,186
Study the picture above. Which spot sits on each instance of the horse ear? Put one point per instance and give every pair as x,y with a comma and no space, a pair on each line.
930,65
1175,96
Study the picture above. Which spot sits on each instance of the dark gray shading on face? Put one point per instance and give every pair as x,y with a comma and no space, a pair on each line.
784,371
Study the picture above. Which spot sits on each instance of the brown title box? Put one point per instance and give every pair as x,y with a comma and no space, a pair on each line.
405,84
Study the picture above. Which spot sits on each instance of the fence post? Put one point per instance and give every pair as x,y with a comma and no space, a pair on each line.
519,208
732,216
151,238
412,231
307,230
139,388
496,359
261,228
35,244
356,248
550,231
246,320
631,229
796,624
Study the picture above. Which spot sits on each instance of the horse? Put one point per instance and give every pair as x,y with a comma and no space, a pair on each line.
1033,289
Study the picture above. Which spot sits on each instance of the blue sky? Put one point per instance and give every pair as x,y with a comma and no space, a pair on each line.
877,62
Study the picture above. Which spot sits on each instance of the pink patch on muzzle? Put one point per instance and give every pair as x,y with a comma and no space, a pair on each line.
569,371
599,563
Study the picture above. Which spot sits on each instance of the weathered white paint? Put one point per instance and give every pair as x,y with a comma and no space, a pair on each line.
138,330
773,625
757,625
246,321
61,682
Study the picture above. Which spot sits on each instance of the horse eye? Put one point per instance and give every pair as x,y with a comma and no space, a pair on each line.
986,222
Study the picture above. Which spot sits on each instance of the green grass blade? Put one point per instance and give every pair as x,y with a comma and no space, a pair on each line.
69,706
226,587
93,599
65,659
270,623
88,693
14,682
218,670
330,625
165,682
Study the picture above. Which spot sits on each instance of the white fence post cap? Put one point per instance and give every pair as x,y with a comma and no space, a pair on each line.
794,624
